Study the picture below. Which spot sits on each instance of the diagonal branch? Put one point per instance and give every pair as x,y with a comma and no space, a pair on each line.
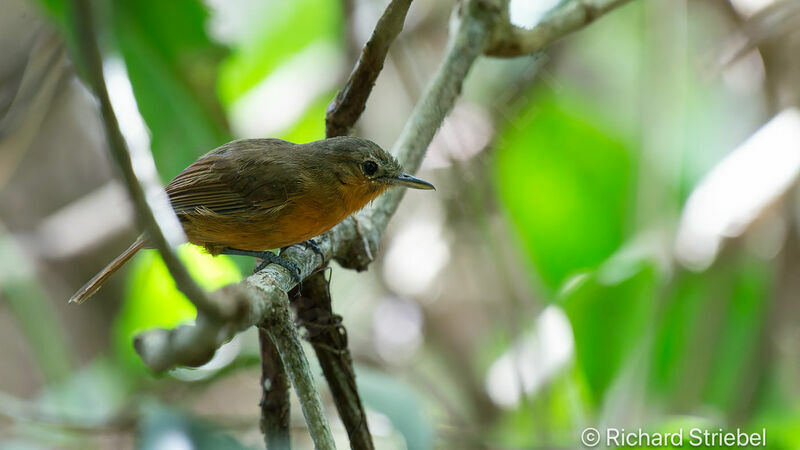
509,40
345,109
92,65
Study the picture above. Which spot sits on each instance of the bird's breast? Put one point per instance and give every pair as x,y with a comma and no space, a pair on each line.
303,217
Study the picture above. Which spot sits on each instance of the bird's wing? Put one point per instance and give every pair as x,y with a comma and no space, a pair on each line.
240,177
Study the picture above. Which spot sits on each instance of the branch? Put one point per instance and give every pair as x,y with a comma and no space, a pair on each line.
329,339
283,332
509,40
274,394
92,65
345,109
253,301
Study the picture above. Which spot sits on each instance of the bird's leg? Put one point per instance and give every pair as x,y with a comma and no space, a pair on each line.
312,244
267,258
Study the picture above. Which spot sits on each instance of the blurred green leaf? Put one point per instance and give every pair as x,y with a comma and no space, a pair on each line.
153,300
548,419
167,429
709,333
608,320
783,428
311,126
172,66
285,28
58,11
27,303
94,394
565,183
683,314
400,403
738,343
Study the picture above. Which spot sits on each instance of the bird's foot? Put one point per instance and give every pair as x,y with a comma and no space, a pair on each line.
312,244
268,258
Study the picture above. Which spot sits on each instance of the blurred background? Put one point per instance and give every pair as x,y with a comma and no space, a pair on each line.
613,242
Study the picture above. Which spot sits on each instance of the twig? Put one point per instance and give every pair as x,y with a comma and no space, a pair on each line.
274,394
283,332
329,339
92,65
345,109
510,41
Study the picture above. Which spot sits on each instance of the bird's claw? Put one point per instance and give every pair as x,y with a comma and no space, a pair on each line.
268,258
312,244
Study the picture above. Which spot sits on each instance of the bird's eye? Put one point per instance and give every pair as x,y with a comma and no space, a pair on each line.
369,168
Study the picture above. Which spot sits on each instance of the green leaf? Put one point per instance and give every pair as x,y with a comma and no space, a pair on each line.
546,420
743,318
311,126
783,428
172,66
608,320
565,182
708,338
284,29
676,332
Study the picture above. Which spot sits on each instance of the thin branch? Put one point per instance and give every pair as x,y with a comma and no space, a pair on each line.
283,332
509,40
344,110
274,394
329,339
92,68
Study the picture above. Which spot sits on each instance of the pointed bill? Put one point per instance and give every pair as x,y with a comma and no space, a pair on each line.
410,181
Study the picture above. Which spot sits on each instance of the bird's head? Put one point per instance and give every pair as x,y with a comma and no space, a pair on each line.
362,162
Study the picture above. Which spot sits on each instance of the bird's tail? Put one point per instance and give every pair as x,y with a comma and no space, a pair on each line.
97,281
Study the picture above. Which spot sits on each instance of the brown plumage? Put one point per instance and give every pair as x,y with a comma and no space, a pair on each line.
262,194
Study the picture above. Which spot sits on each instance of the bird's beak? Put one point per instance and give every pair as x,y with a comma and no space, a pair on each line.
413,182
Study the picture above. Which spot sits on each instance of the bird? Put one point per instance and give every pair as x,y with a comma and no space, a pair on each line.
250,196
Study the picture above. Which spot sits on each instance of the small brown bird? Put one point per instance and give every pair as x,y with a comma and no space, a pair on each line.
253,195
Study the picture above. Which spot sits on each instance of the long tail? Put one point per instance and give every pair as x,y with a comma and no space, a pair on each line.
97,281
